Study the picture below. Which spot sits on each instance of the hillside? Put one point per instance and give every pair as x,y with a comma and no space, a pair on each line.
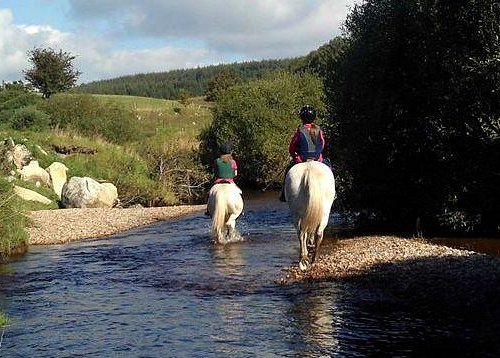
169,85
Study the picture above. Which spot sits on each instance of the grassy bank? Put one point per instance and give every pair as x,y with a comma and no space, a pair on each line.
146,147
13,236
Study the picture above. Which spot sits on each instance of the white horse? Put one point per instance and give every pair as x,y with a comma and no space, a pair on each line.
225,204
310,191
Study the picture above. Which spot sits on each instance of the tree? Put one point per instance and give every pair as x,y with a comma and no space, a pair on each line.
415,111
220,83
321,60
259,118
52,71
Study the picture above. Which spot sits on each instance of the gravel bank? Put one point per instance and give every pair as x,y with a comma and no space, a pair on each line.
411,271
65,225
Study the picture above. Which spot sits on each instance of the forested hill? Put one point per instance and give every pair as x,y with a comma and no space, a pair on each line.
171,84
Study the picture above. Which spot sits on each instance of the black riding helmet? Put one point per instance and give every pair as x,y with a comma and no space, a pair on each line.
226,148
307,114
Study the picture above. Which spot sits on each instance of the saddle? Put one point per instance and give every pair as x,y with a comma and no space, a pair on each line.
223,181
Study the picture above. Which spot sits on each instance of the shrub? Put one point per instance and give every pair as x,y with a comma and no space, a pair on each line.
259,118
89,117
11,100
415,104
14,99
126,170
30,118
175,165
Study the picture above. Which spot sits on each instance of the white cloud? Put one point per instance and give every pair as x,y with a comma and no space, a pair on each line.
248,28
95,57
118,37
17,40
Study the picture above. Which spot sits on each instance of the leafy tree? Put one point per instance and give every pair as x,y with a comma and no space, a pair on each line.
415,108
259,118
16,86
15,96
225,78
322,60
184,97
52,71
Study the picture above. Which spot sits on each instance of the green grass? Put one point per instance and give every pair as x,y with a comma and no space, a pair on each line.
167,119
166,140
13,235
120,165
139,103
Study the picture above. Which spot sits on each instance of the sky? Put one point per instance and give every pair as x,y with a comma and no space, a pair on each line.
112,38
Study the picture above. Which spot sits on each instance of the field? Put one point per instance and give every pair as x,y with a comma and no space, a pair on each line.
167,118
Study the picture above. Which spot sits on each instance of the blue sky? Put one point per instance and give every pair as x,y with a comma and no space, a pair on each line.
113,38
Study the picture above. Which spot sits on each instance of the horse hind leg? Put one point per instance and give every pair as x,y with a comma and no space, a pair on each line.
231,226
319,234
317,245
304,260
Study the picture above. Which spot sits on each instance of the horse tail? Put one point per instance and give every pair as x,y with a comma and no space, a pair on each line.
219,214
314,209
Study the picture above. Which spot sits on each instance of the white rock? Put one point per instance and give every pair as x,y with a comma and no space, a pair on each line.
57,172
34,174
85,192
31,195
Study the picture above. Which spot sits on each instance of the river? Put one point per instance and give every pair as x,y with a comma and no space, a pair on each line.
165,290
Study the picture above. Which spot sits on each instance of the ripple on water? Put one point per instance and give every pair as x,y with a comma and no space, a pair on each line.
166,290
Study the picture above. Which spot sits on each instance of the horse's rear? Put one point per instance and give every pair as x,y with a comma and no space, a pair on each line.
225,204
310,192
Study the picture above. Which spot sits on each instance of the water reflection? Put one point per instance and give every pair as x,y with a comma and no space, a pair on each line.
317,318
228,260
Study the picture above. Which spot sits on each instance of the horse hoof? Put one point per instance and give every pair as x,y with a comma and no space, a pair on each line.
303,265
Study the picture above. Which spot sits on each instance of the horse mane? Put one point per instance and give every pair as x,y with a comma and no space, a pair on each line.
314,211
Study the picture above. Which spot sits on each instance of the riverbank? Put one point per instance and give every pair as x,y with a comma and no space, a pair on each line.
411,271
65,225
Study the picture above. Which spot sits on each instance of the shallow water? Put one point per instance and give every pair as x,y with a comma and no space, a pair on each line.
167,290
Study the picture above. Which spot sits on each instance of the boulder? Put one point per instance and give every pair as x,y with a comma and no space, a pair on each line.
34,174
31,195
17,154
85,192
57,173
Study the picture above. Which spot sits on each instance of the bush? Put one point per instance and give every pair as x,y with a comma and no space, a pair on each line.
415,104
11,100
259,119
175,165
126,170
14,99
89,117
30,118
